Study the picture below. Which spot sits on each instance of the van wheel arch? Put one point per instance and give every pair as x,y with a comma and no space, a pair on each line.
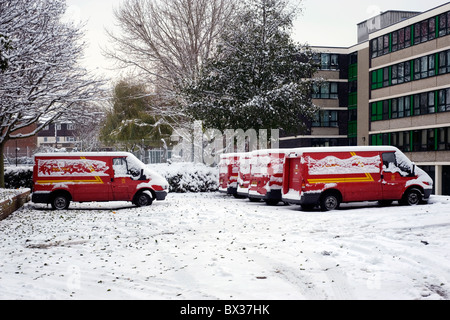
330,200
60,199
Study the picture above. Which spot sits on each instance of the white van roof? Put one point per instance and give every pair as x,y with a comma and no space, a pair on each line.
84,154
344,149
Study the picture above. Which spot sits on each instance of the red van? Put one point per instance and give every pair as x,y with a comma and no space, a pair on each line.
244,174
267,175
330,176
228,173
59,178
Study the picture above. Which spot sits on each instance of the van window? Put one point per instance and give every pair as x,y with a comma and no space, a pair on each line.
397,162
120,167
389,162
127,167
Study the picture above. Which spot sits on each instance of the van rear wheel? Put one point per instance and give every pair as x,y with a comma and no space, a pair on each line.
60,202
330,201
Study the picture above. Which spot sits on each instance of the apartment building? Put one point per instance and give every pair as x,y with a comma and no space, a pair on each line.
58,135
391,88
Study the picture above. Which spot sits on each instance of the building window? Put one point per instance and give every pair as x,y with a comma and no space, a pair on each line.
444,62
327,90
424,103
380,110
438,26
416,140
425,30
377,79
422,68
444,24
401,39
70,126
401,73
443,139
423,140
401,107
444,100
326,118
327,61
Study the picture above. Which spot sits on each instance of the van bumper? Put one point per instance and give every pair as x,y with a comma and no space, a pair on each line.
160,195
305,199
270,195
427,194
40,197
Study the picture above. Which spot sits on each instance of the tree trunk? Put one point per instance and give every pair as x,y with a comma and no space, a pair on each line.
2,165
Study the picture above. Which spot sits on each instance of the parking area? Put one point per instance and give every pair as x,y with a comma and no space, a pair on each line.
211,246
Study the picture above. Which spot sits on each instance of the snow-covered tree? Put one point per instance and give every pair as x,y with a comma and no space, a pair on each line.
167,40
132,120
259,78
4,48
164,42
42,80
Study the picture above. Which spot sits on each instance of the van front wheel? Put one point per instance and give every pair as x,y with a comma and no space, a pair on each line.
412,197
143,200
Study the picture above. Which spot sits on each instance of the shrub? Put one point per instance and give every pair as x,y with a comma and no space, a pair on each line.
188,177
18,177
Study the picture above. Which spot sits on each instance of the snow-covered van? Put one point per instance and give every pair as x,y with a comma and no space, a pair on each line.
330,176
244,174
59,178
267,175
228,173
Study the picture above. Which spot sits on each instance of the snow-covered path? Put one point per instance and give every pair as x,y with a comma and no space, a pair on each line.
210,246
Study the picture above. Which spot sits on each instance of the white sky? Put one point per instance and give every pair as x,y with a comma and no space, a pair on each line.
323,22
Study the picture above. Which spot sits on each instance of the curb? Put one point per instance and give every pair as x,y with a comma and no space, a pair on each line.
12,204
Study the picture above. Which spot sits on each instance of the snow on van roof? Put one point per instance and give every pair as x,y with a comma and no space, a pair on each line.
268,151
343,149
313,149
83,154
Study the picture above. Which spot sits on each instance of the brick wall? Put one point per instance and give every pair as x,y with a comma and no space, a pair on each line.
12,204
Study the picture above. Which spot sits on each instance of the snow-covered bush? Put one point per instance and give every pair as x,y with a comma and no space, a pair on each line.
189,177
18,177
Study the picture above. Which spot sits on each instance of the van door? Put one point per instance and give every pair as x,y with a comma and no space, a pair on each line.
393,178
295,175
87,178
120,181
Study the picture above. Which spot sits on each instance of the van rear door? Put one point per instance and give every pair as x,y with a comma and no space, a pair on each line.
292,180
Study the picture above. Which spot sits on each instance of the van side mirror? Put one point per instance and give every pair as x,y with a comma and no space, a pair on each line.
142,177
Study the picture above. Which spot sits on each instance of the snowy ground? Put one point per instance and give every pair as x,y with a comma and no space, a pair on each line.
210,246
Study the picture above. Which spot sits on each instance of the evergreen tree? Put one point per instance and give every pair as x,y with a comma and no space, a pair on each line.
259,78
132,119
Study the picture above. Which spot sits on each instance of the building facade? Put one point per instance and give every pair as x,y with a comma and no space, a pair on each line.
392,88
58,136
